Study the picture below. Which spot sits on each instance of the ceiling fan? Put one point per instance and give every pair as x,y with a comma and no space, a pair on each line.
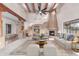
42,11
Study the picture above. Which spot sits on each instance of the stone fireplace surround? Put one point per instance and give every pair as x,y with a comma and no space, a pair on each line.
52,32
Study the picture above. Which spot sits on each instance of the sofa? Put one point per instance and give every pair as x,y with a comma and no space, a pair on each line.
63,43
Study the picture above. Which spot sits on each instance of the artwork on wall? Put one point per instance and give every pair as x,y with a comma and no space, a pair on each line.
8,28
36,29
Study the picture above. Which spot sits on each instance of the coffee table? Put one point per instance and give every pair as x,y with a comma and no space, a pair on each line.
41,43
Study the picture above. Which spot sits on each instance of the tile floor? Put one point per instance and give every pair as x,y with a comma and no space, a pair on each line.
21,50
18,48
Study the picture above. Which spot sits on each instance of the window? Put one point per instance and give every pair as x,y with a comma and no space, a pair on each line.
8,28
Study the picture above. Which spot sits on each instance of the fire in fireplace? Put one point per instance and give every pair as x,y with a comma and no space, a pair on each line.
52,33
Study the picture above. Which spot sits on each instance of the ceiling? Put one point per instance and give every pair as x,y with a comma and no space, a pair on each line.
33,7
32,16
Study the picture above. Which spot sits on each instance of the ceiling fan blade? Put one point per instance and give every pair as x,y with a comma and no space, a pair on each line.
44,8
44,13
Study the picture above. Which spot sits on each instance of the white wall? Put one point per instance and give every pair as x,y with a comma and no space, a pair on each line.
10,19
69,11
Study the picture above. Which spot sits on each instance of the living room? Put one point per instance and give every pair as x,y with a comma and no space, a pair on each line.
50,24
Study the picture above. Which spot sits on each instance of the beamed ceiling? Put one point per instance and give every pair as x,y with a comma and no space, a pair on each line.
31,8
34,7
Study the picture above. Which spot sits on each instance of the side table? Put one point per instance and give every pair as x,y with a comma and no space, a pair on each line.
75,46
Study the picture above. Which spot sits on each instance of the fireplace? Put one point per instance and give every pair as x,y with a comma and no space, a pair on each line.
51,33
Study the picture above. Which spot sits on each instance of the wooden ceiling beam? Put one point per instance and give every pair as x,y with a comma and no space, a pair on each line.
51,9
46,5
39,5
27,7
10,11
33,6
2,9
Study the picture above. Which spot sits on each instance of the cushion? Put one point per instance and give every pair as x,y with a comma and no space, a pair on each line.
70,37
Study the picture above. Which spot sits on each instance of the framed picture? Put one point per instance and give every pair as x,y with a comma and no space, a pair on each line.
36,29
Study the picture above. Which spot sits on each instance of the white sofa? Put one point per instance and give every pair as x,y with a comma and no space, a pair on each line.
63,43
